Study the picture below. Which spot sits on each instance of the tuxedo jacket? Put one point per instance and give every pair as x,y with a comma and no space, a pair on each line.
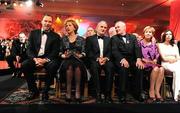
93,50
51,46
18,48
129,50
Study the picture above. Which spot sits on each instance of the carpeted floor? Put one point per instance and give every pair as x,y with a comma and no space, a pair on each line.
8,86
14,93
20,94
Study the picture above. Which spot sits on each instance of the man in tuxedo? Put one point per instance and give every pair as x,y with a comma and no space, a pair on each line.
98,48
17,54
42,51
127,58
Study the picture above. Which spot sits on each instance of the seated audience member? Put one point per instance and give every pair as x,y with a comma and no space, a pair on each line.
127,59
72,50
112,31
90,31
98,48
42,52
150,58
170,59
17,54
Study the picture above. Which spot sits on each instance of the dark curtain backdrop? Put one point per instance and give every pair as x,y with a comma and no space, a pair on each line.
175,18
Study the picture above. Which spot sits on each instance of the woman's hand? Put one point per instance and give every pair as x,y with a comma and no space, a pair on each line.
78,55
172,61
65,55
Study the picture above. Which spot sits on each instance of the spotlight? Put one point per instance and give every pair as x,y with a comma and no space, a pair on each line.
29,3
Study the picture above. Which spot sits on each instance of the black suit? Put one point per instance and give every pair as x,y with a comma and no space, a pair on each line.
93,52
18,49
51,52
130,51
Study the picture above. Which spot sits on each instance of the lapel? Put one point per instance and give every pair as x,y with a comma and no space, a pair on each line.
127,40
38,40
47,41
122,41
105,44
96,42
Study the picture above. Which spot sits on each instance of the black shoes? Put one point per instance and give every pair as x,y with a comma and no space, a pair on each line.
45,97
68,100
108,100
98,99
141,97
122,100
78,100
32,96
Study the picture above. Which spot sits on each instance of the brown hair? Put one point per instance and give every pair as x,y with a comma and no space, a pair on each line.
73,23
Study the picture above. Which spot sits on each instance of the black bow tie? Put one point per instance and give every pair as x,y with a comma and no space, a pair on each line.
122,35
100,37
45,32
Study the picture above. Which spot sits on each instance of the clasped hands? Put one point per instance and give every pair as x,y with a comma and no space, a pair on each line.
40,61
67,54
102,60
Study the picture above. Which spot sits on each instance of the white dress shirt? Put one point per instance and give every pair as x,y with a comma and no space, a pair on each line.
43,43
101,47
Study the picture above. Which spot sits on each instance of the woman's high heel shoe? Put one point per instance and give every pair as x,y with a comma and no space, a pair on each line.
151,100
160,99
68,100
78,100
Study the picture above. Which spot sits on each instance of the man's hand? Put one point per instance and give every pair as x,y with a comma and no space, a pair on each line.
17,58
124,63
40,61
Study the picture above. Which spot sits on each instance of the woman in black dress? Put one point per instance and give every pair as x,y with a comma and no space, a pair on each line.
72,51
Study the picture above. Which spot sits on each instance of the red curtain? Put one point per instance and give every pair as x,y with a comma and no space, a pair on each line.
175,18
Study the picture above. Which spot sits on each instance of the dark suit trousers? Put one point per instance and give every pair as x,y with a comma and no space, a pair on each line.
29,67
137,75
95,70
10,59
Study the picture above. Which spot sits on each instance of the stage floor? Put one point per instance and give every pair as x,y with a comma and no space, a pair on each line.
11,103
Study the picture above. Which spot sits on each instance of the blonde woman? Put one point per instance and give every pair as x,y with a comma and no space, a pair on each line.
150,57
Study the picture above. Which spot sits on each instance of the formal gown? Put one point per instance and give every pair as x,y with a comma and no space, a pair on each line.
172,52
